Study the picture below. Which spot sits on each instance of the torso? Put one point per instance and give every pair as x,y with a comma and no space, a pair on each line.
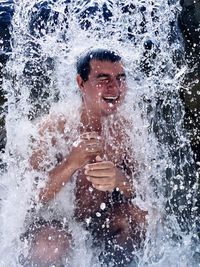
115,149
87,199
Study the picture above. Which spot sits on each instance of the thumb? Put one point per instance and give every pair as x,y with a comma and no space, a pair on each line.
98,159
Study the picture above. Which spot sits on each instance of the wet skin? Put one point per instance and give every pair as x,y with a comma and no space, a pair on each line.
96,162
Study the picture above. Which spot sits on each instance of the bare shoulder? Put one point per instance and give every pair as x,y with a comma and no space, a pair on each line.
50,127
52,123
61,119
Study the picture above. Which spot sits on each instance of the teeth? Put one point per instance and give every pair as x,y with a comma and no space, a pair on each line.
111,97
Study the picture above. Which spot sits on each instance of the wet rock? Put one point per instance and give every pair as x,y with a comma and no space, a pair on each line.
6,13
189,22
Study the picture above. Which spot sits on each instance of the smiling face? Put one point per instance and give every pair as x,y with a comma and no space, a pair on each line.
105,88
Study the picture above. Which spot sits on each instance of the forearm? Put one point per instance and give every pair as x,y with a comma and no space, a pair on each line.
57,178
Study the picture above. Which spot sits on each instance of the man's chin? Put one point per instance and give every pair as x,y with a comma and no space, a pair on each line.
109,108
109,111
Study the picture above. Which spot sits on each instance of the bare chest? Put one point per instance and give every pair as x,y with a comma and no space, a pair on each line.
114,144
88,199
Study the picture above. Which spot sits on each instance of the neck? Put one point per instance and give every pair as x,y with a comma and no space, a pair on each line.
90,122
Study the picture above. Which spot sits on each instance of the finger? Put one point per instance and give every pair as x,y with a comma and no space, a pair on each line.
91,148
100,181
93,144
98,159
103,165
97,140
99,173
90,135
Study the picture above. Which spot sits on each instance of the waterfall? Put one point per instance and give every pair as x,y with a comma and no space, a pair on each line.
47,37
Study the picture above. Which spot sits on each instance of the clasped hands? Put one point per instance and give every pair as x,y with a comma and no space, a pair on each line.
87,153
102,174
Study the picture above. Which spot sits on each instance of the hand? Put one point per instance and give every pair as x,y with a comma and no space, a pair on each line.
85,149
102,175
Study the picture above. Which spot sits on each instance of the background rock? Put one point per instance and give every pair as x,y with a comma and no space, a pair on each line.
6,13
189,22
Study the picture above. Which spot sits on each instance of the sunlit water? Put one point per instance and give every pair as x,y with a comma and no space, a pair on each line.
47,38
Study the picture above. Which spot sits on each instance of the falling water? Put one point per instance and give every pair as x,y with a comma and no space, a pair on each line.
47,37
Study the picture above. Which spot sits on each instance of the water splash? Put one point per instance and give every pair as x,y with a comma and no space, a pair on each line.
46,39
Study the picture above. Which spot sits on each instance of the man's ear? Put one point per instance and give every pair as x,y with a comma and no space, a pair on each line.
80,82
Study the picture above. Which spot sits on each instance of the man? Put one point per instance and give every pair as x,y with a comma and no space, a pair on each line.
103,165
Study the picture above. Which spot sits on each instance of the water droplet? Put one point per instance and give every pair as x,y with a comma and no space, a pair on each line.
103,206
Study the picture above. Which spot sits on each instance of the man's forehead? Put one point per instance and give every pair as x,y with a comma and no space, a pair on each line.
100,65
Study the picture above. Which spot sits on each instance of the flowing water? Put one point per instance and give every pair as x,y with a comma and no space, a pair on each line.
47,37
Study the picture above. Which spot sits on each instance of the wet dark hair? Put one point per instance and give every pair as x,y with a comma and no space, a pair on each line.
83,62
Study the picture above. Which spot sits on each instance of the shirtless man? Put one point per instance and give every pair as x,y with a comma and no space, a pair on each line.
104,166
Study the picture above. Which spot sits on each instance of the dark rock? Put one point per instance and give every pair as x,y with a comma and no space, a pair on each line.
6,13
189,22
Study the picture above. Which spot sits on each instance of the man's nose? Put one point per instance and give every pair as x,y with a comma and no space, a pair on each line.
114,84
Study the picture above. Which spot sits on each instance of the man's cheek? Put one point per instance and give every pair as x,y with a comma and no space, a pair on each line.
98,97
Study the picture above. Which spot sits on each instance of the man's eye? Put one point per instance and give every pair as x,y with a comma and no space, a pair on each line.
122,78
103,79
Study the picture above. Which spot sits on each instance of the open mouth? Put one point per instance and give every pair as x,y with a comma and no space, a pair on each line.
111,99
